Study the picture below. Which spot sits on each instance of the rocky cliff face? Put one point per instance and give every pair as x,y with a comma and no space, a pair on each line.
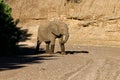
70,8
98,20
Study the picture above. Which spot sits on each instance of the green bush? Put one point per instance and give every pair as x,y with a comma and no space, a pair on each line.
10,34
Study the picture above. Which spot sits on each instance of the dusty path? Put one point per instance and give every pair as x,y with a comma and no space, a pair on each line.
100,63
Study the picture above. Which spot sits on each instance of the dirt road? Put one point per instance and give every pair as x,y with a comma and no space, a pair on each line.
85,63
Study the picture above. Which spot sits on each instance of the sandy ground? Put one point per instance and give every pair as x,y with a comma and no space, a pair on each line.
83,62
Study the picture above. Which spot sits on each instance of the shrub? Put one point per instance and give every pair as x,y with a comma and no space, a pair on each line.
10,34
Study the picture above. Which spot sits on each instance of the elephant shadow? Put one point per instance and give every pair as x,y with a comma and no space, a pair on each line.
74,52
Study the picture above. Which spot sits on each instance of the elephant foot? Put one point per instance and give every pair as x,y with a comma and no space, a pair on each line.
63,53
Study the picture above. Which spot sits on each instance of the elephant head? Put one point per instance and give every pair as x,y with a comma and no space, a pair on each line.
60,29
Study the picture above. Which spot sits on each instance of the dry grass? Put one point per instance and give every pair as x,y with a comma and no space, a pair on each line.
55,8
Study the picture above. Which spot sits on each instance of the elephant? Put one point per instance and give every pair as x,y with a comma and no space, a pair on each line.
49,31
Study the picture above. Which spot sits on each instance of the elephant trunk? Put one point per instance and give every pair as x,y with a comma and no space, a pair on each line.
65,38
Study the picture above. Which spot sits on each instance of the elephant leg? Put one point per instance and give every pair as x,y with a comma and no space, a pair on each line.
52,45
62,46
52,48
37,47
62,49
47,47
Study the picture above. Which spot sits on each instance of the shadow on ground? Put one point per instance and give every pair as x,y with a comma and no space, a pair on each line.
25,56
15,62
74,52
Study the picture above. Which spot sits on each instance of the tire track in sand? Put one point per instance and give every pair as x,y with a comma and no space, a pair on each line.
109,71
82,71
72,74
100,69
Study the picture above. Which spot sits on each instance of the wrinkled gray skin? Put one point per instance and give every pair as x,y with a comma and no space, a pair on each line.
49,31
